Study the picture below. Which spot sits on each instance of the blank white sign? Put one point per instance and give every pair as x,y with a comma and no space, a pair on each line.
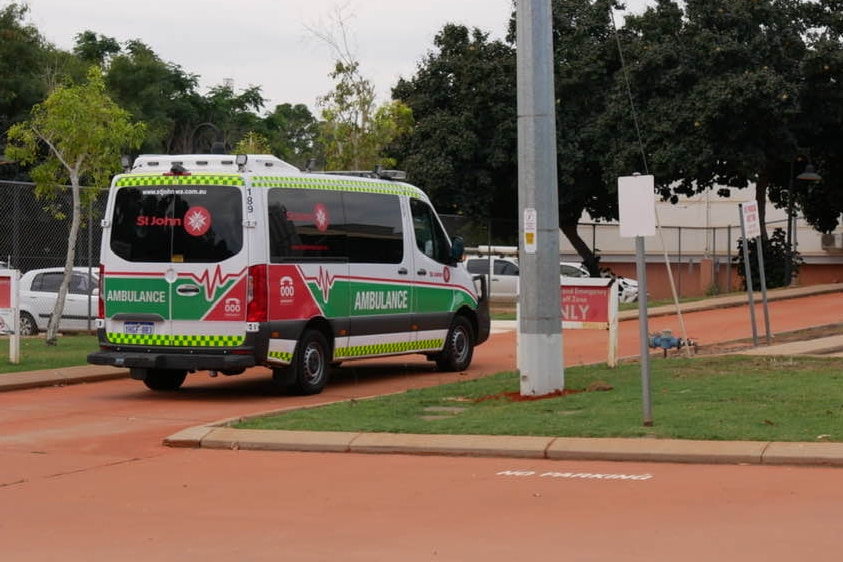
636,206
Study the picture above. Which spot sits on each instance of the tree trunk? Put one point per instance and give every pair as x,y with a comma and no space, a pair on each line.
589,260
53,325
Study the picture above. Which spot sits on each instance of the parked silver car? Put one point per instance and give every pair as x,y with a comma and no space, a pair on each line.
503,282
38,293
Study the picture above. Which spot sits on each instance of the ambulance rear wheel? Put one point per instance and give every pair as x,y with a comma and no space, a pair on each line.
164,380
310,363
459,347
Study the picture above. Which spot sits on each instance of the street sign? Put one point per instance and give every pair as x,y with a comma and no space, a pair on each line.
9,311
751,220
531,223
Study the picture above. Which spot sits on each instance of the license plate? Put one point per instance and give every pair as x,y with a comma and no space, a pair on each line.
139,328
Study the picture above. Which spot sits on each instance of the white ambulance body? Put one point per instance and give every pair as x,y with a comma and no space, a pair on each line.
219,263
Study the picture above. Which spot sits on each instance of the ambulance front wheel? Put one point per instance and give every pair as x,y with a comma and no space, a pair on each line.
310,363
164,380
459,347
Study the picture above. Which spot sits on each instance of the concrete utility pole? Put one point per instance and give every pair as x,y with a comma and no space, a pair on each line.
540,321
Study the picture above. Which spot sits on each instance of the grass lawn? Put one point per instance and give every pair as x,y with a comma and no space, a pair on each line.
705,397
35,355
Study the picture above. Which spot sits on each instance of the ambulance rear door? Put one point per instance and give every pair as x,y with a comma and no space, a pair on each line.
175,269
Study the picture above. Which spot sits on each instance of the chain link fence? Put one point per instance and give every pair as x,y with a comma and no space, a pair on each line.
686,248
34,232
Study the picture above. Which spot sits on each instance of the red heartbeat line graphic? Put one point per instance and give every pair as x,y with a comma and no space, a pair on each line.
324,281
212,283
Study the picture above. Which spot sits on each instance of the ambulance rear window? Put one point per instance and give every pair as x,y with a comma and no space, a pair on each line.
189,224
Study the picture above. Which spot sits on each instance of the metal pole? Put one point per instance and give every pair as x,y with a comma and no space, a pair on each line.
759,247
789,249
729,259
90,259
643,330
540,315
715,264
748,275
679,259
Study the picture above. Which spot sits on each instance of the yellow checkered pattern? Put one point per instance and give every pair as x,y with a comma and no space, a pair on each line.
284,356
194,179
387,348
344,184
175,341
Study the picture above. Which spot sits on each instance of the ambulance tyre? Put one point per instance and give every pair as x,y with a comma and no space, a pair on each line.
459,347
164,380
310,363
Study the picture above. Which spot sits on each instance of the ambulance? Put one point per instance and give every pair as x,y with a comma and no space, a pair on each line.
220,263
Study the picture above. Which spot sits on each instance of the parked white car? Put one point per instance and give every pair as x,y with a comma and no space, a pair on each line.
503,283
38,292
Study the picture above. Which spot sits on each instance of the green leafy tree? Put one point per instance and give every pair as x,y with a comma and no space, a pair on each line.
93,48
720,88
253,143
77,134
293,134
586,65
354,131
821,119
23,59
159,93
463,149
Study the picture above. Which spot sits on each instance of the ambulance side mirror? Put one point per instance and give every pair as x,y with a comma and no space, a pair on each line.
457,249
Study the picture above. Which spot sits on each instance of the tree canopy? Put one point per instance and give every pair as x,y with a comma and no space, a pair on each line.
463,148
728,93
76,135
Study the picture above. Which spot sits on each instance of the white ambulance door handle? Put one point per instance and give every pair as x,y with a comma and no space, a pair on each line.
188,290
421,272
402,271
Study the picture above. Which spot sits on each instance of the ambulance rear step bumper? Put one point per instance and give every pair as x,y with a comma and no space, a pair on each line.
186,361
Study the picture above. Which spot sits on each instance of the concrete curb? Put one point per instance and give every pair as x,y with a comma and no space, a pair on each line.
60,377
549,448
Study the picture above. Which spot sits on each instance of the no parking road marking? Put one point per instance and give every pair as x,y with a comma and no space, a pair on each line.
575,475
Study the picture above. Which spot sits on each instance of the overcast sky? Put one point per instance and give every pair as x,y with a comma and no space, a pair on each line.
267,43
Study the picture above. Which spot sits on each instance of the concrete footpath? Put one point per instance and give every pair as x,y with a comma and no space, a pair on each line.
220,435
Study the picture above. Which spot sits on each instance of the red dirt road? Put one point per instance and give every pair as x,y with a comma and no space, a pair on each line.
83,476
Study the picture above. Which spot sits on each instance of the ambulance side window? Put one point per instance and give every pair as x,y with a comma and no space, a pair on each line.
306,224
431,239
374,227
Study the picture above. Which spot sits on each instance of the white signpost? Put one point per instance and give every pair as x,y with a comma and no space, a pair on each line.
637,219
9,312
751,229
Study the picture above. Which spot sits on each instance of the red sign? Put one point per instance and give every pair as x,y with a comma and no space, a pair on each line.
5,292
585,304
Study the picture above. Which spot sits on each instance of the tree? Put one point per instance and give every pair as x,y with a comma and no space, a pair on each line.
252,143
293,134
586,65
355,132
159,93
23,57
463,149
77,134
721,89
821,119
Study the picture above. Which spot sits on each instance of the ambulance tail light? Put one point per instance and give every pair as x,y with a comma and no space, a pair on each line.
256,296
101,296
